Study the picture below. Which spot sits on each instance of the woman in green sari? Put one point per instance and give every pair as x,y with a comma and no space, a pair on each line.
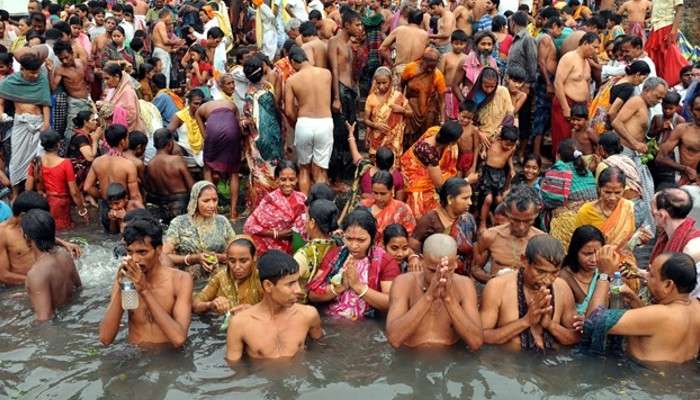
197,240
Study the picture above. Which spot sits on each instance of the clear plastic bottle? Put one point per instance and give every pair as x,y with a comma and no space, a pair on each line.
615,295
130,297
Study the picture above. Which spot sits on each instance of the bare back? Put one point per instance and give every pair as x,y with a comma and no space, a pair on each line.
52,281
689,144
410,42
167,175
547,54
317,52
114,169
311,88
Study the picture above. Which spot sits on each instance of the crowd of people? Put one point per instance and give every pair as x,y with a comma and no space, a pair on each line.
473,171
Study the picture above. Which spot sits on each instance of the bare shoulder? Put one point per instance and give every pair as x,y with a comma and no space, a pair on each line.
498,283
403,281
464,283
489,236
180,277
309,312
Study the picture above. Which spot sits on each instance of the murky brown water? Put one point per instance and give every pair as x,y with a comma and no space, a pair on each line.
64,360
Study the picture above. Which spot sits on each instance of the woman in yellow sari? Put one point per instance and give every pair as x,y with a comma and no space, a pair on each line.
428,163
614,216
190,137
386,110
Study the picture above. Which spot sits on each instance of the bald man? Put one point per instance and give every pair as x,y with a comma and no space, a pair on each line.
434,307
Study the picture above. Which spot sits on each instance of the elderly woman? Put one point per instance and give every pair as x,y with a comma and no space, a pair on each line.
429,162
355,279
198,239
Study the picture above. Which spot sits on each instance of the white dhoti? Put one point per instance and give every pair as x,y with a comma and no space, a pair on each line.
164,57
191,158
25,145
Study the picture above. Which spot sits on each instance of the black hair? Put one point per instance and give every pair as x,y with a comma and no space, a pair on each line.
554,21
449,132
588,38
195,93
481,35
612,174
678,203
61,46
136,139
520,19
288,45
253,69
40,227
509,133
325,214
34,35
546,247
597,22
160,81
610,143
139,229
75,20
349,16
136,44
29,200
516,73
115,133
113,69
616,18
275,265
498,22
116,191
140,213
459,36
680,268
634,41
118,7
30,61
582,236
452,187
62,27
638,67
81,118
533,157
215,33
161,138
579,110
6,59
286,164
383,178
315,14
567,153
468,105
362,218
296,54
524,8
307,29
436,3
384,158
522,198
50,139
415,17
119,29
685,69
244,242
550,12
394,231
672,98
318,191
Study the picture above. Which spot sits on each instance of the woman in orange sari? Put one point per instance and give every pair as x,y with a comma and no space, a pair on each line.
428,163
386,110
384,208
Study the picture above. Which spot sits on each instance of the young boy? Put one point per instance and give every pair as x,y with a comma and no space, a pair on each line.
119,204
137,147
468,143
515,82
448,66
496,173
585,137
661,128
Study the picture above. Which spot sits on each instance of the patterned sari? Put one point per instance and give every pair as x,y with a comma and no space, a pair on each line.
422,196
563,219
423,92
263,145
279,212
598,110
383,114
395,212
223,284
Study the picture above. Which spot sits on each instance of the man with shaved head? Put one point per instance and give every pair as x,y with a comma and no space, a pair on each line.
531,308
434,307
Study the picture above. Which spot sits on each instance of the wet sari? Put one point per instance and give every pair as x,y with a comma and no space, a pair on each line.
395,212
423,92
422,196
383,114
223,284
276,212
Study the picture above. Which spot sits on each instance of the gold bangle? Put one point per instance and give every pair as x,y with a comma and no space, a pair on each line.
364,292
333,290
187,262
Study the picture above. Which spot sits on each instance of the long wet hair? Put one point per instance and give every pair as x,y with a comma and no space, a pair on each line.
325,214
488,73
582,236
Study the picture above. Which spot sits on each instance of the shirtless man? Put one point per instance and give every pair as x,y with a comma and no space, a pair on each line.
110,168
504,245
163,44
165,293
278,326
325,27
16,257
316,49
531,308
572,85
464,16
667,331
449,65
100,42
75,76
434,307
544,87
687,138
632,121
409,42
167,177
307,107
636,11
52,279
446,25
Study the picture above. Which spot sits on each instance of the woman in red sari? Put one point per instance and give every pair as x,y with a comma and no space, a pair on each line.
384,208
428,163
280,213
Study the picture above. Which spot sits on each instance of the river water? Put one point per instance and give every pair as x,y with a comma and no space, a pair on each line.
63,359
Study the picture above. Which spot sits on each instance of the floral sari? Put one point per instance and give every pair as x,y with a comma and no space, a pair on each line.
422,196
598,110
395,212
279,212
382,114
263,145
223,284
463,230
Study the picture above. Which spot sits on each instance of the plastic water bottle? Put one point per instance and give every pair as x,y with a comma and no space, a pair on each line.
615,295
130,297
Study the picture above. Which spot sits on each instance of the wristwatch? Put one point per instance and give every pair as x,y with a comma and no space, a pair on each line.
603,277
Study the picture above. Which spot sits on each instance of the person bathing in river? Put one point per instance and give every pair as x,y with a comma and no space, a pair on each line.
165,293
532,308
52,279
434,306
276,327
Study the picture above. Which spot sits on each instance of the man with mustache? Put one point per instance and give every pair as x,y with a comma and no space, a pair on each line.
476,60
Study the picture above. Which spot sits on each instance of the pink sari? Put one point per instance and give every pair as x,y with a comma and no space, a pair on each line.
124,96
279,212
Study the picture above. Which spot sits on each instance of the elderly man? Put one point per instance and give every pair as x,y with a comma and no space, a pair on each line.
504,245
434,306
532,308
671,208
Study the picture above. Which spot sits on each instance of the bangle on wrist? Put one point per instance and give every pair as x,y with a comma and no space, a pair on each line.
187,260
274,234
364,292
83,212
